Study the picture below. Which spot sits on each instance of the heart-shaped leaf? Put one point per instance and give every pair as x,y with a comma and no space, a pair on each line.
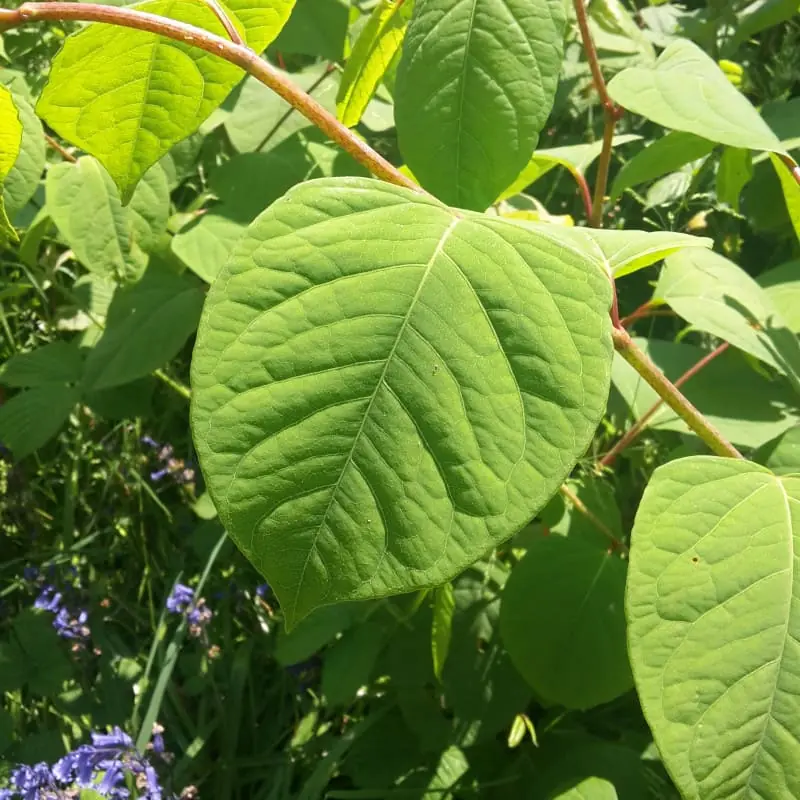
714,620
384,388
474,88
126,96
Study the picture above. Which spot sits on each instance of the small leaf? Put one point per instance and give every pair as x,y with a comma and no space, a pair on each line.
376,46
31,418
10,140
575,158
517,732
57,362
316,28
734,172
349,663
720,298
619,29
474,88
781,455
444,604
685,90
147,325
589,789
713,621
563,622
392,455
659,158
146,92
85,206
782,285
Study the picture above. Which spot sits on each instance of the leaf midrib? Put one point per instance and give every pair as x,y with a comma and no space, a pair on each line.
378,384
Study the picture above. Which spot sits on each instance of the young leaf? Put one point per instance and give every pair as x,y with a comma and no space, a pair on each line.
659,158
563,624
146,92
444,604
719,297
474,88
713,622
372,53
147,325
358,437
685,90
31,418
10,140
575,158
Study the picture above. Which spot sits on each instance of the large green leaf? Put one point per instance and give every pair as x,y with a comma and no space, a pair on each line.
316,28
563,622
660,157
782,454
10,139
782,285
714,619
733,174
376,46
56,362
106,238
687,91
127,96
719,297
383,389
147,325
589,789
474,88
745,406
791,190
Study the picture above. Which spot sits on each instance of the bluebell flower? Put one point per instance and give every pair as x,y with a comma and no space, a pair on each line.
180,598
200,614
48,600
71,627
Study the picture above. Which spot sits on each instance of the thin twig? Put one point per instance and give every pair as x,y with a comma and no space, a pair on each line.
648,309
616,544
60,149
608,459
226,21
236,54
671,395
791,165
585,191
613,113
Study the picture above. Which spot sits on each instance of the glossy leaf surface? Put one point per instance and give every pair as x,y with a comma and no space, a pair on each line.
358,436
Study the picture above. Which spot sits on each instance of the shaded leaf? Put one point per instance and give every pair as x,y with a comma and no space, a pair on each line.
734,172
791,190
781,455
387,508
316,28
714,617
782,285
56,362
444,604
659,158
563,622
589,789
472,99
31,418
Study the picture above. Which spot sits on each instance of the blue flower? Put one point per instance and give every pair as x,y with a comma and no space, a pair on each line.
200,614
158,475
48,600
150,442
180,599
263,589
71,627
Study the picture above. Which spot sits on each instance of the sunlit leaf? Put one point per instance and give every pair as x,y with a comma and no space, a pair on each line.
10,140
714,619
393,454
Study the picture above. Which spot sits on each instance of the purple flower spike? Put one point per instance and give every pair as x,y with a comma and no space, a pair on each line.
180,599
158,475
150,442
48,600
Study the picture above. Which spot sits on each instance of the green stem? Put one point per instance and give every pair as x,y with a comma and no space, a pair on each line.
237,54
670,394
183,391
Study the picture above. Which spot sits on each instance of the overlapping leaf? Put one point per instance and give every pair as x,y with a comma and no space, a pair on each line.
127,96
10,139
474,88
359,436
714,621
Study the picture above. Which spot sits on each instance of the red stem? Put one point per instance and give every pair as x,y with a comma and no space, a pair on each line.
608,459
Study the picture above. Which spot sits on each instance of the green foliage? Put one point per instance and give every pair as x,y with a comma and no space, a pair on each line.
472,100
382,266
500,563
712,624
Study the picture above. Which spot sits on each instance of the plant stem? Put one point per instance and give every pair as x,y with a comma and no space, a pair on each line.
586,193
60,149
226,21
608,459
236,54
648,309
670,394
616,544
611,110
184,391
